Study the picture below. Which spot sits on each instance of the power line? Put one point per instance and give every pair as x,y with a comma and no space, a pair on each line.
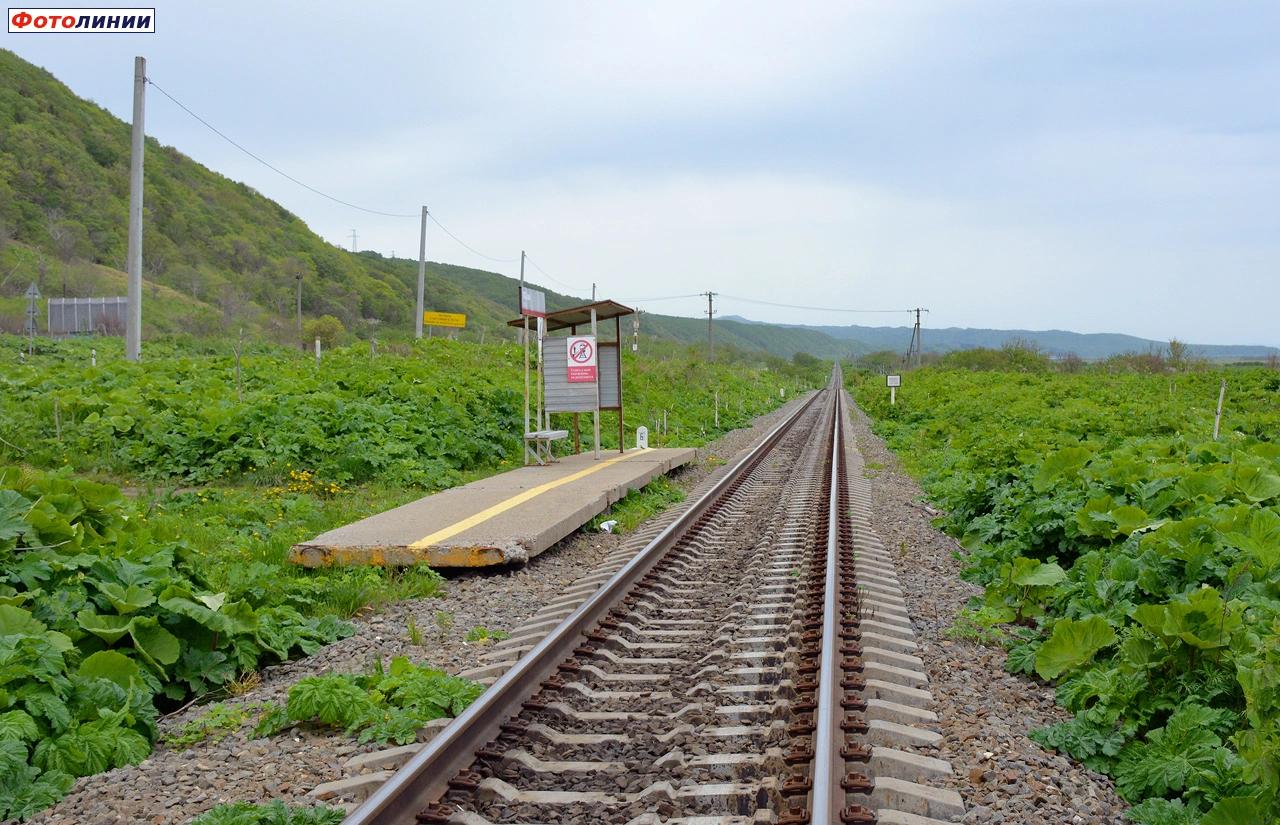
552,278
467,246
667,298
815,309
275,169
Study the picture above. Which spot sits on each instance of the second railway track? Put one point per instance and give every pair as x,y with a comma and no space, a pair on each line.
750,663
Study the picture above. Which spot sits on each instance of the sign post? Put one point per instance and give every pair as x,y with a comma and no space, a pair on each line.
533,303
893,382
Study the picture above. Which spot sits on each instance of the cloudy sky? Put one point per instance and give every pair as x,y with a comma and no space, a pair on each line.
1095,166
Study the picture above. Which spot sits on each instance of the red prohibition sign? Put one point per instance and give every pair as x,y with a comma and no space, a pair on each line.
580,351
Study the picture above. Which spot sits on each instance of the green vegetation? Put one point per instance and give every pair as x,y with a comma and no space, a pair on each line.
102,616
216,723
1126,556
275,813
383,705
639,505
483,635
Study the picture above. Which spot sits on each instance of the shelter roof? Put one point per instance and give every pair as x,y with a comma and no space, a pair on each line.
580,315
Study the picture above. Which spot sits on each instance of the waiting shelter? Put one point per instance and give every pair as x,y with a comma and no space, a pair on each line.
573,372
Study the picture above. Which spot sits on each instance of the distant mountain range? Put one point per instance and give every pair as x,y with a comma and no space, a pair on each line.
1053,342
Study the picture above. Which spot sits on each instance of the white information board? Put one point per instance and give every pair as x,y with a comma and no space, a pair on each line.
533,302
894,380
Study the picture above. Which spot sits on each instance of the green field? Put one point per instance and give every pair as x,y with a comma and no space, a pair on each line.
1126,556
146,511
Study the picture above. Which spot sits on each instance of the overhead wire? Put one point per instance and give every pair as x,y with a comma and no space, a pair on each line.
551,277
815,309
319,192
468,246
275,169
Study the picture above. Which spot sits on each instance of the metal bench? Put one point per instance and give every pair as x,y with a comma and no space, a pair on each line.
537,445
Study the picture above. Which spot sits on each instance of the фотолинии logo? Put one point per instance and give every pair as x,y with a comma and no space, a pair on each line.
44,21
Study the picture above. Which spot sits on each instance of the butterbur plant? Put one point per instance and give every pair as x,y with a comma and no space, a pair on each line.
98,623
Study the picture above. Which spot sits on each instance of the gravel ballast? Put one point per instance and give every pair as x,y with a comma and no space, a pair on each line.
172,786
984,712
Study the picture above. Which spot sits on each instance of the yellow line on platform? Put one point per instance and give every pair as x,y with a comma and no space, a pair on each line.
502,507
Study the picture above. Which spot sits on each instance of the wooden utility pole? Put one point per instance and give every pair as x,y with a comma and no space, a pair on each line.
133,314
711,347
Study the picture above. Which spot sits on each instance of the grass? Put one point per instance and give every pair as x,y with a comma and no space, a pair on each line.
483,635
239,538
638,506
216,723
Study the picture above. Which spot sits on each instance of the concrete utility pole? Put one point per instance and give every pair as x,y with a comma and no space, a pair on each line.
711,347
422,275
133,314
299,279
915,353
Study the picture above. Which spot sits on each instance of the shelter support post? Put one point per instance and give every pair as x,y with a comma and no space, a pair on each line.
622,432
595,414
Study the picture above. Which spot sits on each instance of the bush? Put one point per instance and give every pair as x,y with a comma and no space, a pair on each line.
327,328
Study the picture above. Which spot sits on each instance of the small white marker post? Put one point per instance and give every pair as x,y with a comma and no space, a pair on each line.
93,357
642,438
1217,419
893,382
317,350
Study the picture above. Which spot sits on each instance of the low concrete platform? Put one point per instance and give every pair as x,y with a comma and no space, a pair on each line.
505,518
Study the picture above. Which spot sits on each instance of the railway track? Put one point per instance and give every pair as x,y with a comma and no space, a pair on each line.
749,663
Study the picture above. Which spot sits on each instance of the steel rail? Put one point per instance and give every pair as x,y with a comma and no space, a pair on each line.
424,779
828,738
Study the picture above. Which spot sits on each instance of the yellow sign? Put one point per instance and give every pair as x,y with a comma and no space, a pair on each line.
444,319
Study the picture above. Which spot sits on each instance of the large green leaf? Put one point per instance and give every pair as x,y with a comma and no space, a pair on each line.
14,621
201,614
156,644
18,726
127,599
1072,644
1202,620
13,511
1255,483
1261,538
1031,573
1235,810
109,629
1129,519
111,665
1065,462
